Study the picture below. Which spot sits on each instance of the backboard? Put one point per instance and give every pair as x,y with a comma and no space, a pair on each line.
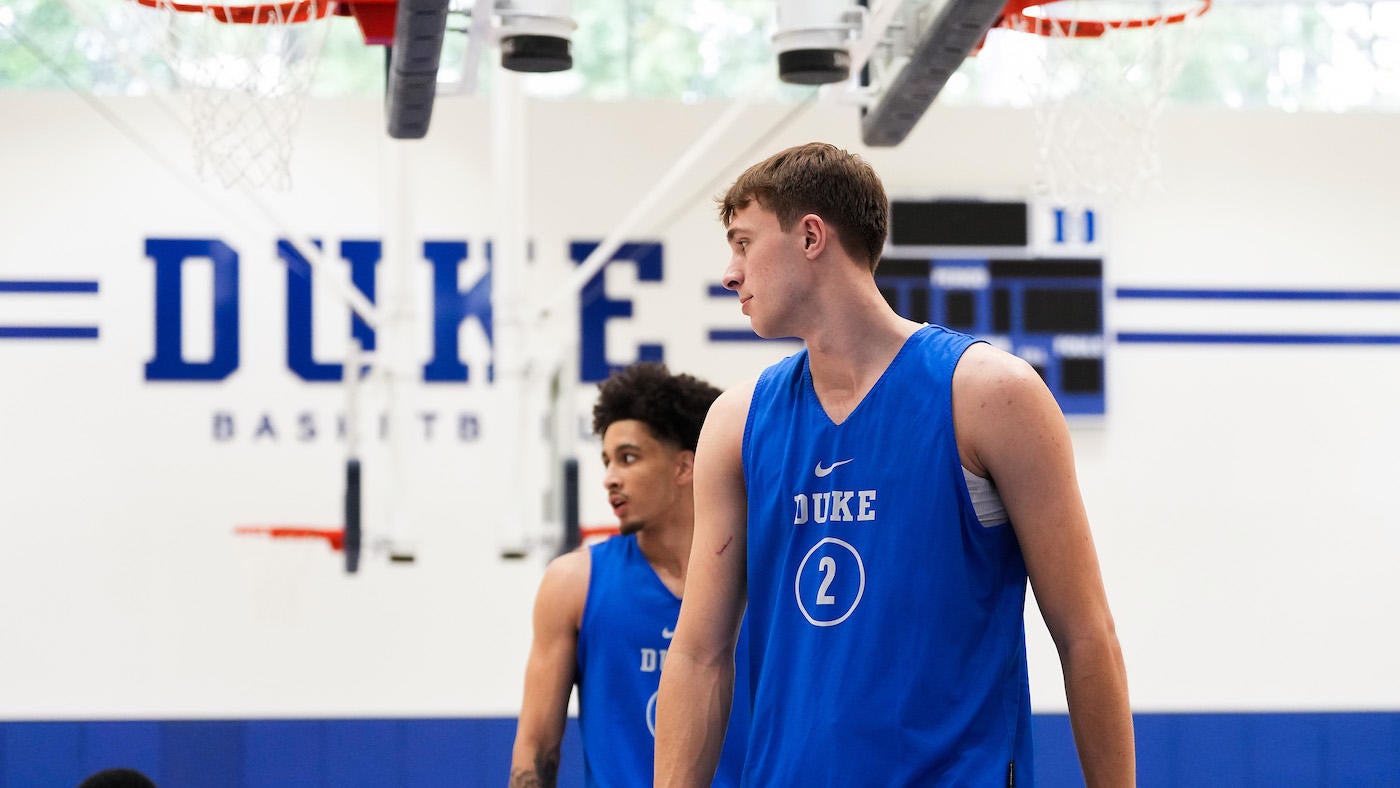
925,42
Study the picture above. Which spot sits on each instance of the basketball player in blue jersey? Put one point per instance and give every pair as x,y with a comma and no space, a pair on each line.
878,500
604,615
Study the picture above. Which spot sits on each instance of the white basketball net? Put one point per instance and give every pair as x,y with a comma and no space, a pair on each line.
245,84
1098,100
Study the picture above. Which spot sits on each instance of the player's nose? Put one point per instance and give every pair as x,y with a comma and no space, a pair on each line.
733,276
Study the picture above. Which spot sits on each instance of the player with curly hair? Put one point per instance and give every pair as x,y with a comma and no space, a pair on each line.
604,614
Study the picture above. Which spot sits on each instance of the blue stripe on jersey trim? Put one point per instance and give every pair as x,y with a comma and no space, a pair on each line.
37,286
1188,338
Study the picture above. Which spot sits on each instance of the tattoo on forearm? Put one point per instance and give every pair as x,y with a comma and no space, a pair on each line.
545,773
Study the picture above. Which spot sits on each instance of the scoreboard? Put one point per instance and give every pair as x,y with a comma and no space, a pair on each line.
970,266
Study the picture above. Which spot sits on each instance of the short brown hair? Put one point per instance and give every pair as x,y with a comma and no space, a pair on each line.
840,187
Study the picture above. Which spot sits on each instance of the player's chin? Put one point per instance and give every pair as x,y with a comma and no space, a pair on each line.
764,330
770,332
629,527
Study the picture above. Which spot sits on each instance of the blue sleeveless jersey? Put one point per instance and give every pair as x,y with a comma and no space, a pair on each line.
887,644
629,617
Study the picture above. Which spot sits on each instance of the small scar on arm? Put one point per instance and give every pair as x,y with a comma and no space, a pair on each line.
724,546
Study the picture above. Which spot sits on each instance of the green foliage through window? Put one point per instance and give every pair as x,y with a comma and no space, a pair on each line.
1320,56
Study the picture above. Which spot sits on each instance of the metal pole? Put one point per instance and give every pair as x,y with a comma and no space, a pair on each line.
508,263
395,337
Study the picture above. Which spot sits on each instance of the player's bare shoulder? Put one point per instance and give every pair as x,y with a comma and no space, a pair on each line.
985,369
721,437
564,587
730,410
994,394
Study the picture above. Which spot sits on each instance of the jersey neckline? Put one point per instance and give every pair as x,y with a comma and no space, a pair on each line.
810,388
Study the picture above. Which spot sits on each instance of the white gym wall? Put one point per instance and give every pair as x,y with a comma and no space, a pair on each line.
1241,496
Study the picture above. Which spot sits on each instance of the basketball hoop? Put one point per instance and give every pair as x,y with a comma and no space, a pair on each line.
1014,17
245,69
335,537
1104,70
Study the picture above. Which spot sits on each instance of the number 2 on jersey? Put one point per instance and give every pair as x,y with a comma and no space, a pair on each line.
824,599
827,566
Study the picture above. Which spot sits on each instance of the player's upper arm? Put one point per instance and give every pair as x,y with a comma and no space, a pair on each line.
1011,430
715,580
549,674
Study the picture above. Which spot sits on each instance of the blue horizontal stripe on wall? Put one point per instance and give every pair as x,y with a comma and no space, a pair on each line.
1241,750
373,753
38,286
1259,295
1238,750
48,332
743,335
1188,338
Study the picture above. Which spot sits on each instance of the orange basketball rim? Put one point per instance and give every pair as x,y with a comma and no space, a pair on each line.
375,17
293,12
1014,17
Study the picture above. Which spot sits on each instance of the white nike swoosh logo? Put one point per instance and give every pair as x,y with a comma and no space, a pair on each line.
820,471
667,633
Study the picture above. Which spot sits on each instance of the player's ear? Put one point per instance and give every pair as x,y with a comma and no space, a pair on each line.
685,467
815,235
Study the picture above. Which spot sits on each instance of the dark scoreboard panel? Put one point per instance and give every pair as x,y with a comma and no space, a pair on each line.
1048,310
958,223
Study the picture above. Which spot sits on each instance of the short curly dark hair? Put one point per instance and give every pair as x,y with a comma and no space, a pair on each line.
673,406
